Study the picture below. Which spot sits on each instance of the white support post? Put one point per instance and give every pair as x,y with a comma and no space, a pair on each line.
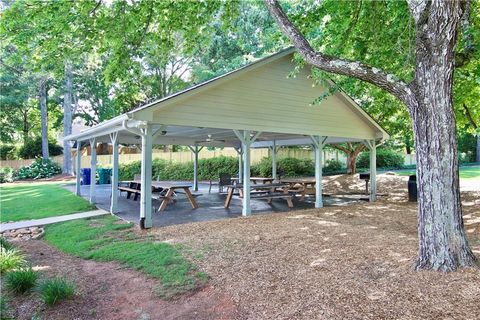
114,178
195,150
240,164
247,139
373,172
318,144
274,160
93,168
246,209
78,169
371,145
146,180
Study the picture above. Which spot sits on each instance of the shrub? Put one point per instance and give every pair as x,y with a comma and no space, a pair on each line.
333,165
56,289
7,152
128,170
6,174
10,259
21,280
5,312
33,148
211,168
4,244
386,158
207,169
40,168
290,167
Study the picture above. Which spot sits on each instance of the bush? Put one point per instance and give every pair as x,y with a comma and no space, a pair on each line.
40,168
6,174
128,170
4,244
7,152
33,148
211,168
290,167
5,312
21,280
56,289
467,146
10,259
207,169
386,158
333,165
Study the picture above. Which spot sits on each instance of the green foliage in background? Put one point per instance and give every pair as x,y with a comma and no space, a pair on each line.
165,170
33,148
6,174
386,158
7,152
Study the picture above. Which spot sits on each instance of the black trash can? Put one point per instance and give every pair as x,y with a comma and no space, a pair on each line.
86,176
412,188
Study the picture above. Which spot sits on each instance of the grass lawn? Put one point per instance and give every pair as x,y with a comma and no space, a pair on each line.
109,239
28,201
472,172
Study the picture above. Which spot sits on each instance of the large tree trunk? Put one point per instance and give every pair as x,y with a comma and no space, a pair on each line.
442,241
351,163
42,96
352,151
67,119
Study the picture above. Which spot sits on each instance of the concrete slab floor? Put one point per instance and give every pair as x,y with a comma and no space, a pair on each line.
210,205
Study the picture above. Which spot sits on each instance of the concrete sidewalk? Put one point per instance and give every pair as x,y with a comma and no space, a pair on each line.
44,221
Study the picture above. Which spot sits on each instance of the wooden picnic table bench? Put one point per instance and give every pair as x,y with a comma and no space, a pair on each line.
164,191
302,186
133,188
266,191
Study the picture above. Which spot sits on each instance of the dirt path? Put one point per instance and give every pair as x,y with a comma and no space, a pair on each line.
109,291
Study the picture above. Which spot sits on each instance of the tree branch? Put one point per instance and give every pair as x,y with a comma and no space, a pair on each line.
336,65
469,117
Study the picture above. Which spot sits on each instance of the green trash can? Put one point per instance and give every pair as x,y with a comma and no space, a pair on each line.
104,175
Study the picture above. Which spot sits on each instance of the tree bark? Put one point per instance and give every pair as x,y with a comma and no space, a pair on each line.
443,244
352,153
442,241
42,97
67,119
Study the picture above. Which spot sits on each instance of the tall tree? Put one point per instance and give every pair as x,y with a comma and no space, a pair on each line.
428,96
67,118
42,101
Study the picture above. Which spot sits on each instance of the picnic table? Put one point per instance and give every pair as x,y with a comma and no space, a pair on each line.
266,191
261,180
167,192
303,186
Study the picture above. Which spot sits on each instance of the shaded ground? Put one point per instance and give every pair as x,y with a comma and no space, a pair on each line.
350,262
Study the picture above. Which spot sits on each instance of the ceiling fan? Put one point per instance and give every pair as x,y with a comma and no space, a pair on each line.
209,139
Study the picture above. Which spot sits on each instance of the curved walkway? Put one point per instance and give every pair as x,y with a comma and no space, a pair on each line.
44,221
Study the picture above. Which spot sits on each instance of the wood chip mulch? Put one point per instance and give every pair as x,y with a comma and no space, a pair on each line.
349,262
